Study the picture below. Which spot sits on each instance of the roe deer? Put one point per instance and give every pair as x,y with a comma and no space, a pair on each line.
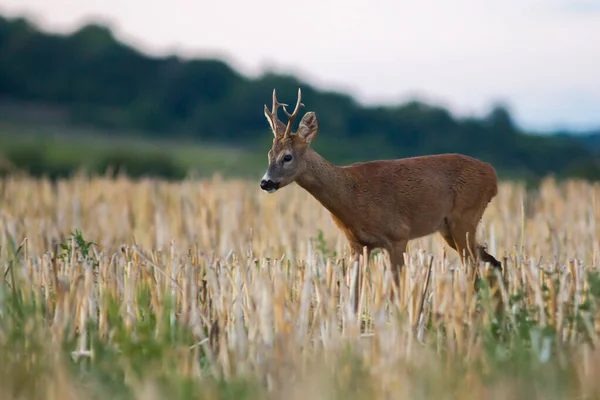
384,203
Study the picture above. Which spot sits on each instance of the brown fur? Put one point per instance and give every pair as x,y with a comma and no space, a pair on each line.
386,203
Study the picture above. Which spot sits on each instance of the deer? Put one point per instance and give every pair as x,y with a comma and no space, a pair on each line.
383,204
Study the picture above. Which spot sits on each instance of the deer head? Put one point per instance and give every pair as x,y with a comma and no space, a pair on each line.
286,157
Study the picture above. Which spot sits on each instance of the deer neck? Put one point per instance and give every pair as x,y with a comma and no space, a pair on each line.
329,184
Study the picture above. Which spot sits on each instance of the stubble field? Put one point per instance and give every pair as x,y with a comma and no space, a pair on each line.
212,289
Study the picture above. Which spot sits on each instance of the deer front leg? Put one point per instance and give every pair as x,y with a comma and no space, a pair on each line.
355,253
396,252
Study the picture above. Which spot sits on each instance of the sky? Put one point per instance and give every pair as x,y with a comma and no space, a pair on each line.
541,58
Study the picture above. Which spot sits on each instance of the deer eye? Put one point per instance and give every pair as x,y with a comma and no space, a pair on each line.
287,158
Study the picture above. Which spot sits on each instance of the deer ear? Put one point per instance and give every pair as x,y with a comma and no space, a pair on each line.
309,126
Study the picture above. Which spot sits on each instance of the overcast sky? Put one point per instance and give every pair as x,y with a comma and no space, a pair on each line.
541,57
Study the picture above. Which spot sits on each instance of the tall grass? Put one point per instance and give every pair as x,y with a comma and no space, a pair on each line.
211,289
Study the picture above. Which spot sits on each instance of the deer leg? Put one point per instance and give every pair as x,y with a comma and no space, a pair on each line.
459,236
487,257
355,253
455,234
397,260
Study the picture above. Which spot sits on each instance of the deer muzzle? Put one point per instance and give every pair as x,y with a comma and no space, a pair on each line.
268,185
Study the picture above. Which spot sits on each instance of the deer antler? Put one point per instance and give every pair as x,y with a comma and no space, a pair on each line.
273,113
292,117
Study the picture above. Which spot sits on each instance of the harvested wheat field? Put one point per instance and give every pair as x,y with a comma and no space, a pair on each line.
212,289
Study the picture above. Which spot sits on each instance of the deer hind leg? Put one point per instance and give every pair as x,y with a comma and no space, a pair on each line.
455,235
460,235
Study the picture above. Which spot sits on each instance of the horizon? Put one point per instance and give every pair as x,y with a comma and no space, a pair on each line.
549,91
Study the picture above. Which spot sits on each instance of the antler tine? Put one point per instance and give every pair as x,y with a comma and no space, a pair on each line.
272,115
275,106
292,117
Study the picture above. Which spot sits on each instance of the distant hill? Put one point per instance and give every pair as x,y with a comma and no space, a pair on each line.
591,139
89,79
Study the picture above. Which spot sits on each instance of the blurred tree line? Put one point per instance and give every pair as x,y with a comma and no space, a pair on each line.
95,80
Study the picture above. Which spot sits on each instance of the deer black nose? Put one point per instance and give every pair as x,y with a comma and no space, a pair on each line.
269,185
